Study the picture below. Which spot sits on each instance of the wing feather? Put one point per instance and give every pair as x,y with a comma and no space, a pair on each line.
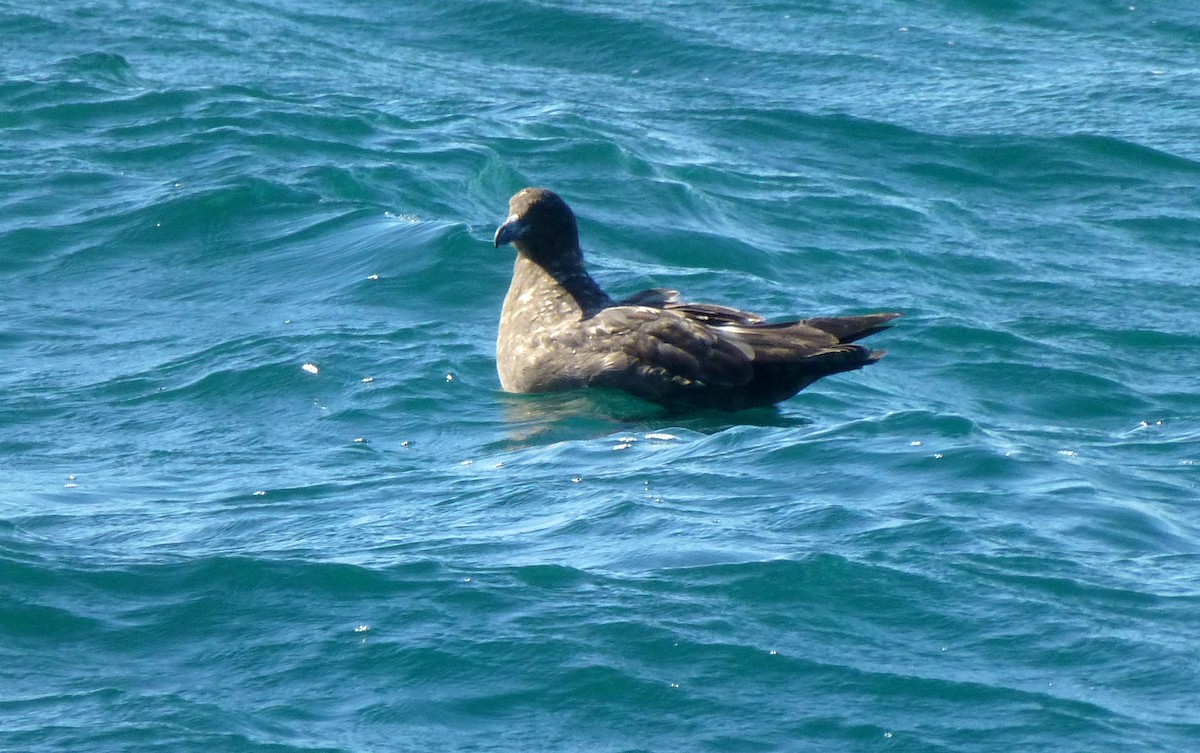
664,350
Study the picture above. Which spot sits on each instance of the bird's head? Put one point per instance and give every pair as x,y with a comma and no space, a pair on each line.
540,225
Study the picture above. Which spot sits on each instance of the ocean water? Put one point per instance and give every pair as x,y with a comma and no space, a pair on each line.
260,491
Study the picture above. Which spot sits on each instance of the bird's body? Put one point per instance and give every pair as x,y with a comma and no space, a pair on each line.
559,330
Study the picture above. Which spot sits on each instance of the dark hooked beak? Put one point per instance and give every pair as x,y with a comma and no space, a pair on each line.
512,230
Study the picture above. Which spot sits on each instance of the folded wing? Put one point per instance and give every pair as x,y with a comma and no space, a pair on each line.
703,354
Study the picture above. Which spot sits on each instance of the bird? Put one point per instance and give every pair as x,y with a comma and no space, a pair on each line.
560,331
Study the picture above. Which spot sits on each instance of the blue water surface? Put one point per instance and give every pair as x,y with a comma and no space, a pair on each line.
260,490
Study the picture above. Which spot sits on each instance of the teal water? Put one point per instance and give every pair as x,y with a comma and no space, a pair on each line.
988,542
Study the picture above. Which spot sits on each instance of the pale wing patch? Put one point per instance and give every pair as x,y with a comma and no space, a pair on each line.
746,348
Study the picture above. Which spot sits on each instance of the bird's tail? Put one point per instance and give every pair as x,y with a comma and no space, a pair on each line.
847,329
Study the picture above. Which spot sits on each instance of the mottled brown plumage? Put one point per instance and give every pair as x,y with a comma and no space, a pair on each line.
560,331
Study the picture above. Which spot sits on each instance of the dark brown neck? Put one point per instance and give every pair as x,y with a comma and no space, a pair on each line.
563,281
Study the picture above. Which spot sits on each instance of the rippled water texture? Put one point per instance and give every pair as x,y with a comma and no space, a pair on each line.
261,490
